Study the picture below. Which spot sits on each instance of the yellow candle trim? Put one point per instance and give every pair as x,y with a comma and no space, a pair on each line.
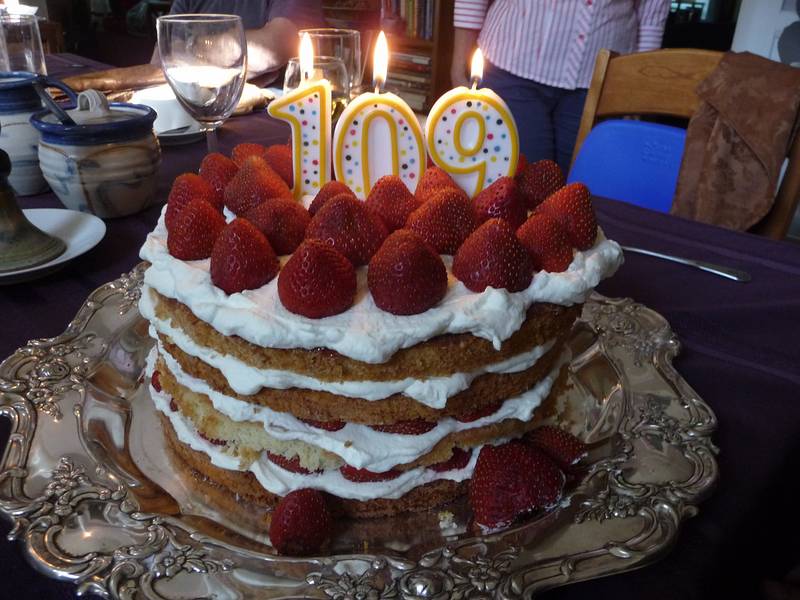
455,100
279,108
353,130
457,133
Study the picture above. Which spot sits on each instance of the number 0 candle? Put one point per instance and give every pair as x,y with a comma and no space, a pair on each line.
378,134
308,111
471,134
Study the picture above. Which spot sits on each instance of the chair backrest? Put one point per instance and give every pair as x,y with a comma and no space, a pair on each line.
663,82
633,161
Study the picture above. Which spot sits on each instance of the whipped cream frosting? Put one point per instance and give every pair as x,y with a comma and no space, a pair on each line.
246,379
279,481
357,444
365,332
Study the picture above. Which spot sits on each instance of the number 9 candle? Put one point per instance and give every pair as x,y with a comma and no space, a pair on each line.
308,111
378,134
471,134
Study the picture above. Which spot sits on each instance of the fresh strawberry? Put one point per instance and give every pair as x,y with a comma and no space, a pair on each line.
345,224
253,183
172,405
522,164
510,480
410,427
290,464
317,281
572,207
501,200
444,221
242,258
493,256
406,276
217,169
538,180
490,409
364,476
242,152
546,242
326,425
433,180
458,460
326,192
563,447
279,157
210,440
155,381
283,221
391,201
186,188
194,231
301,523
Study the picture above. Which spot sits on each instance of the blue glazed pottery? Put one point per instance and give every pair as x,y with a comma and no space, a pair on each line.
106,163
18,101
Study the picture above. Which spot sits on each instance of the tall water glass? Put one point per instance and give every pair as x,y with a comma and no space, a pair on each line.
325,67
204,58
341,43
23,43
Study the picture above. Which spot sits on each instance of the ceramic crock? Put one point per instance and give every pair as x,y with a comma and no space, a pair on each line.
18,101
106,163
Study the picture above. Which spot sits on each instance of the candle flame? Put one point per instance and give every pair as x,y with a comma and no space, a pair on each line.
477,67
380,61
306,56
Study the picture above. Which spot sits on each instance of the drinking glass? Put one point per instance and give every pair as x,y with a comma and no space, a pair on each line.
3,52
341,43
204,59
325,67
23,43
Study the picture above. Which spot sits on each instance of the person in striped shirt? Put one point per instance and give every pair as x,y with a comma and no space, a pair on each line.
540,57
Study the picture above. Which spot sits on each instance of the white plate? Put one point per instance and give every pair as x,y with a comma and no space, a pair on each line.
80,232
193,133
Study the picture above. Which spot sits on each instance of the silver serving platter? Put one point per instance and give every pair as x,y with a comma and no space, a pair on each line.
94,499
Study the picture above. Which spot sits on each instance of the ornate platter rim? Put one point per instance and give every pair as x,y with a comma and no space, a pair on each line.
160,556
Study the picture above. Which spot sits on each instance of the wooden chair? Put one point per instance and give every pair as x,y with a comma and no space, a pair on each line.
663,82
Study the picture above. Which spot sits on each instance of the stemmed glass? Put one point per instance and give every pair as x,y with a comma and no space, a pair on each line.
204,58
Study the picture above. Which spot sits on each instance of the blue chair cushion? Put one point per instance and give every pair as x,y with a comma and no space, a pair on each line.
632,161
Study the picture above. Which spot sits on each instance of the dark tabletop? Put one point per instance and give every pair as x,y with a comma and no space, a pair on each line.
739,352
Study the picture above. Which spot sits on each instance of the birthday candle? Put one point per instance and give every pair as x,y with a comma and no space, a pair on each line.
308,111
471,134
378,134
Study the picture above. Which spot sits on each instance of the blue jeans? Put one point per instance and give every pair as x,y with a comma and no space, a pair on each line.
547,117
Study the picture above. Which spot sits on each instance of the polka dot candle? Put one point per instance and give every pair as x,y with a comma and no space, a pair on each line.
308,111
471,134
378,134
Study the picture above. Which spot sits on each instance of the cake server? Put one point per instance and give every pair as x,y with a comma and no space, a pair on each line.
726,272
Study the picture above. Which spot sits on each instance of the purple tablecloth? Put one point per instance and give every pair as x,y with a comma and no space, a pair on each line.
739,352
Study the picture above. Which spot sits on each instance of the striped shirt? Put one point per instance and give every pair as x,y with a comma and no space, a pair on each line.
555,42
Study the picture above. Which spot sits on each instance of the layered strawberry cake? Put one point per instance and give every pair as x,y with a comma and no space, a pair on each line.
374,351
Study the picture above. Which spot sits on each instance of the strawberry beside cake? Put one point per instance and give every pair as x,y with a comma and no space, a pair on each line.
379,353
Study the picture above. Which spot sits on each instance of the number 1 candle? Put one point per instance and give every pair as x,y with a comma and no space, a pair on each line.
471,134
378,134
308,111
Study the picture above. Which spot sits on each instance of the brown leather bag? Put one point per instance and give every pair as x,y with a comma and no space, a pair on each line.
737,141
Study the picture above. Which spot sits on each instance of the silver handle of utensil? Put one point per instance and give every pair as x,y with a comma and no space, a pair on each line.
727,272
